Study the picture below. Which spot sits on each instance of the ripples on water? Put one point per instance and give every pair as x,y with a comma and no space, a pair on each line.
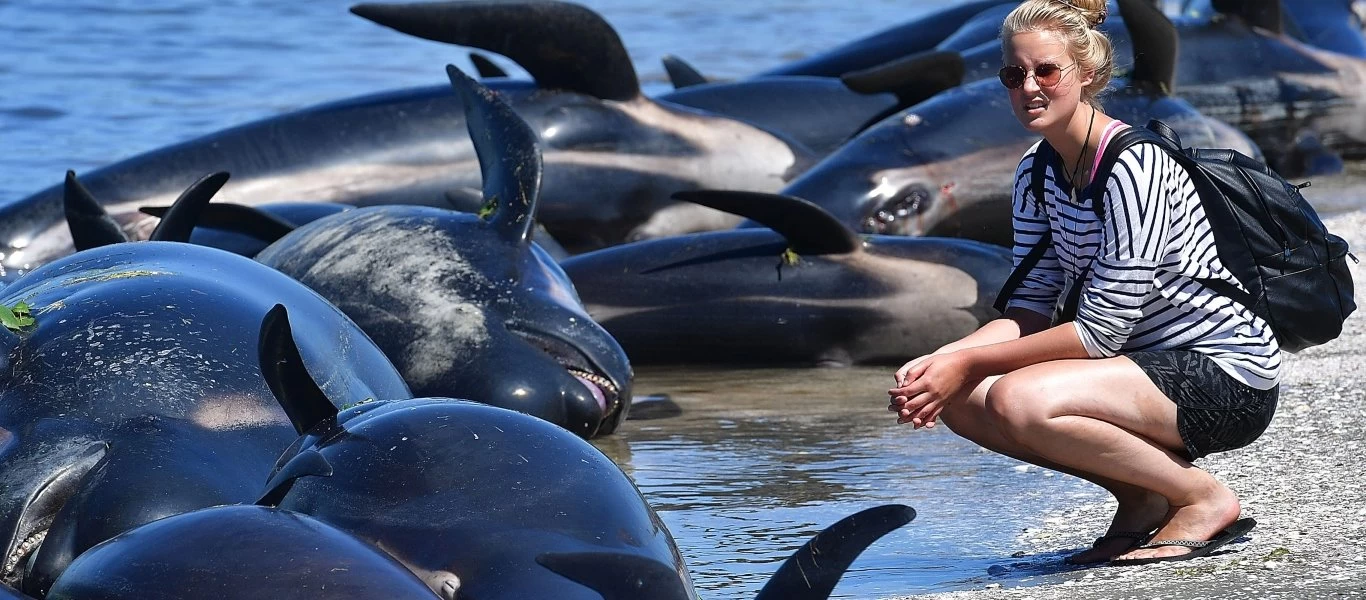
762,460
759,462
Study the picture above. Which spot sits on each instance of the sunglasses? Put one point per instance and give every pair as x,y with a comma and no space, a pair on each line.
1046,74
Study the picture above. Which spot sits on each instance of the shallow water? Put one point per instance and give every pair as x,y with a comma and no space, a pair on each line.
759,461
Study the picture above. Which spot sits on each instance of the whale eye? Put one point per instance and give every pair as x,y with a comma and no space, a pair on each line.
892,214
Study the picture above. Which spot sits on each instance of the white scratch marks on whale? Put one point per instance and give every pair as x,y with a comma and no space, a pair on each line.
412,274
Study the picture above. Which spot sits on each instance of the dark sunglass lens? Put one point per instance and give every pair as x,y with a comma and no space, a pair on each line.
1047,74
1012,76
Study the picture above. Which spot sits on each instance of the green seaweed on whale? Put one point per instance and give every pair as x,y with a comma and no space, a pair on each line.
17,317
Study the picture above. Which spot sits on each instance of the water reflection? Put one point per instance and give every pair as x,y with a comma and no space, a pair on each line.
759,461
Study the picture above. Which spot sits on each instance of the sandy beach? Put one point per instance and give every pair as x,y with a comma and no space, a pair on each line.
1303,481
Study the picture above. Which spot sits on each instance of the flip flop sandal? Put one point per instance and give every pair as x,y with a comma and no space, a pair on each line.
1198,548
1137,539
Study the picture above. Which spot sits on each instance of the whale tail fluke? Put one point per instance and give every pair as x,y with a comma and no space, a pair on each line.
91,226
812,572
180,219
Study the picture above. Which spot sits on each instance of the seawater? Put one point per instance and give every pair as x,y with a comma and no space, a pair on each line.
760,460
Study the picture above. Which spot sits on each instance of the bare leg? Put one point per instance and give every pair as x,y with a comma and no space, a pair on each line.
1107,419
1140,510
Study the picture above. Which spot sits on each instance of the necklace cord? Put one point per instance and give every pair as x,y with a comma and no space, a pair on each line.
1077,168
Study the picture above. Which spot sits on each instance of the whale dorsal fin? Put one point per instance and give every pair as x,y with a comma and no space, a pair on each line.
1154,41
812,571
179,220
913,79
618,575
304,402
306,463
809,229
509,158
238,218
485,67
681,74
90,224
562,45
1266,14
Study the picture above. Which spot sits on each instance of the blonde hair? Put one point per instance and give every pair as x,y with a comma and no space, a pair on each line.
1074,21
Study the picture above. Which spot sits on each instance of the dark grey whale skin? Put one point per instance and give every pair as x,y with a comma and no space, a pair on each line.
236,553
137,392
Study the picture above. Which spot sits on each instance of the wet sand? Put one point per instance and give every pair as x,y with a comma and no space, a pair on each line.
1303,481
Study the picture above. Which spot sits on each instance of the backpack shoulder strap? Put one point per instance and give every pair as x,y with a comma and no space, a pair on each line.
1042,156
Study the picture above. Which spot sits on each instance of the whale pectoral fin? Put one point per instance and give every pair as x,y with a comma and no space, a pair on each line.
90,224
913,79
303,464
237,218
509,158
564,46
681,74
180,220
1154,40
304,402
809,229
485,66
618,576
812,572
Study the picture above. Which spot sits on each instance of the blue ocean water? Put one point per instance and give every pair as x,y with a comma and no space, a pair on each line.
87,82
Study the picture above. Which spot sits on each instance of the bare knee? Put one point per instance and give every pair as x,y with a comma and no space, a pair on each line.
1018,405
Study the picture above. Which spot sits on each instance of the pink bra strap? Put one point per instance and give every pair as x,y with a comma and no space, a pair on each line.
1110,130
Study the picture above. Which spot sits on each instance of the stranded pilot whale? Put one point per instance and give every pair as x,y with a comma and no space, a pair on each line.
946,167
136,393
613,156
468,305
809,291
484,502
236,553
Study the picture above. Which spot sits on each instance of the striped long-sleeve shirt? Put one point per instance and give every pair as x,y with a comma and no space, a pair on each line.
1141,292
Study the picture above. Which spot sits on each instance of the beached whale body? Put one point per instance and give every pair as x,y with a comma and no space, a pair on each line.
484,502
136,394
466,305
1303,105
236,553
612,155
946,167
807,292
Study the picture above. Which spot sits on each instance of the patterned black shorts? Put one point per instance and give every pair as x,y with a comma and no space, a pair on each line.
1214,411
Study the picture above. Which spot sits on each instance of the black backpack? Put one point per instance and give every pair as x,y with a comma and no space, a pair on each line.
1267,235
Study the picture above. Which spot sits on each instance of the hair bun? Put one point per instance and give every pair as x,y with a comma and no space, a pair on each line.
1093,17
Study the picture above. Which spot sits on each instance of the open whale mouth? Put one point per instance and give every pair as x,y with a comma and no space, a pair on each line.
607,394
12,571
576,362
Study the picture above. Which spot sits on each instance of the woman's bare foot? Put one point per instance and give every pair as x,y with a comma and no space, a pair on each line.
1138,514
1197,520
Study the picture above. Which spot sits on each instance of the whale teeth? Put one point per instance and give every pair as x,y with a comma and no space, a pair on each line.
598,380
10,574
